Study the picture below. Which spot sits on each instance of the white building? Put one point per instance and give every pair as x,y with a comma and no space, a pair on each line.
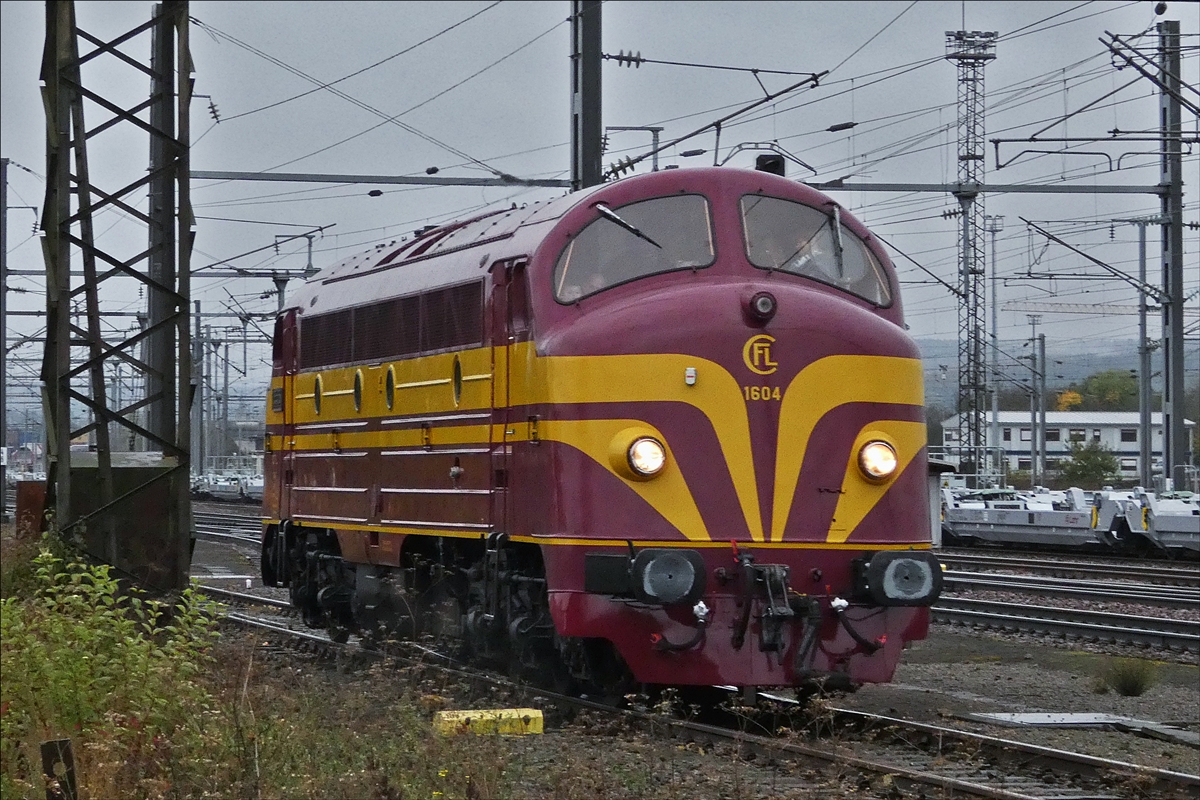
1116,430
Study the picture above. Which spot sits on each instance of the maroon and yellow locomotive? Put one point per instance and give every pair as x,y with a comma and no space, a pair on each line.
667,429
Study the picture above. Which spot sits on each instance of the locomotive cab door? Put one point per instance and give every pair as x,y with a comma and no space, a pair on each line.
283,401
508,324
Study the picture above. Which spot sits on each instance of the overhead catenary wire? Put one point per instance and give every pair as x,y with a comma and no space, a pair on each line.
1029,28
358,72
349,98
939,59
425,102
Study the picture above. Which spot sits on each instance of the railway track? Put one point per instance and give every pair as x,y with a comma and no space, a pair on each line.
918,758
1144,594
1114,569
1158,585
232,527
1074,623
1146,631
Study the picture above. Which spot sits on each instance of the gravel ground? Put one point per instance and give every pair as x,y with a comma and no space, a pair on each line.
954,673
597,756
581,756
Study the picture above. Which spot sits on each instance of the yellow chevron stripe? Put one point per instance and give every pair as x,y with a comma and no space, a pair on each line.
860,495
646,379
667,493
818,389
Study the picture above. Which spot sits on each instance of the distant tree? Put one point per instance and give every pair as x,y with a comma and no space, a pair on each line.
1091,466
1068,399
1111,390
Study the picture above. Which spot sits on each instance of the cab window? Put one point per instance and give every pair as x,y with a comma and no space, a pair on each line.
791,237
635,240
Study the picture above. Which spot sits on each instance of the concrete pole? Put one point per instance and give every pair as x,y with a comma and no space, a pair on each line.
1176,449
1041,428
225,440
1034,475
210,412
994,225
587,129
197,394
160,303
3,332
1145,430
281,282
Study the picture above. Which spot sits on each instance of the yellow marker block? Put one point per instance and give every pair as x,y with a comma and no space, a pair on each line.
498,720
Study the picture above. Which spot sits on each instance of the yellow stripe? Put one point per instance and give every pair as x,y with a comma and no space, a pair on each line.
667,493
818,389
567,541
427,385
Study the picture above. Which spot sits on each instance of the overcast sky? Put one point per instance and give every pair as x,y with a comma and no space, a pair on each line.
491,87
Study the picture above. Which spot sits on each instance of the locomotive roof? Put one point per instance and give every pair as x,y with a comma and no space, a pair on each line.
427,256
335,286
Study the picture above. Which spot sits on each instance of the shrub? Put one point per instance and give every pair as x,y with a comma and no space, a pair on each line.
17,576
115,672
1129,677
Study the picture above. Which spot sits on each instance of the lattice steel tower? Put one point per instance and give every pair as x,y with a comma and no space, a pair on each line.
132,512
971,50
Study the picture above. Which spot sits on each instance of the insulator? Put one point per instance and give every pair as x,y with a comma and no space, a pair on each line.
622,166
630,59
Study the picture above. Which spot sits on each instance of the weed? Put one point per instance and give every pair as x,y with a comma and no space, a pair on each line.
1129,677
17,568
85,659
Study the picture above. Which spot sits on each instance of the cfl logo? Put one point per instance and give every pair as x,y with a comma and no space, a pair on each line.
757,354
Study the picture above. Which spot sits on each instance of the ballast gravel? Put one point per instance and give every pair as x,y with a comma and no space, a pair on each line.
957,672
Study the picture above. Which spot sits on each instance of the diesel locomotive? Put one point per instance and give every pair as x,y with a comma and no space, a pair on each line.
667,430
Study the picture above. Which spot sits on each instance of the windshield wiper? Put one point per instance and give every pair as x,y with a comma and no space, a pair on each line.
609,214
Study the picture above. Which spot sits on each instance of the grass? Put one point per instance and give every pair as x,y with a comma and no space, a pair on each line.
1128,677
158,705
157,708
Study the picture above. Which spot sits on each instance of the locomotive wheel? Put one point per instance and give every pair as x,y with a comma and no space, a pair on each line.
441,612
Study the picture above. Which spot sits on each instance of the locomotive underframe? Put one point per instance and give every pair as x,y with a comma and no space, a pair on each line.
488,599
482,598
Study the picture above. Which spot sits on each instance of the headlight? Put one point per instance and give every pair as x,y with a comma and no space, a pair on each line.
647,456
877,460
762,306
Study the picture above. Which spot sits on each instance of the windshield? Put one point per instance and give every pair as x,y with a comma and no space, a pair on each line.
633,241
792,237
